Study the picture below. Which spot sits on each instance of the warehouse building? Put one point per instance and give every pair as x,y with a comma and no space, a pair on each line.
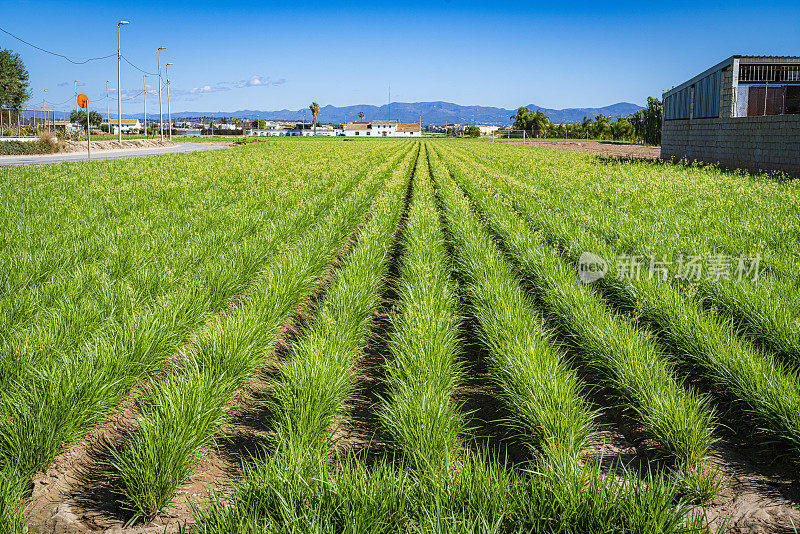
741,113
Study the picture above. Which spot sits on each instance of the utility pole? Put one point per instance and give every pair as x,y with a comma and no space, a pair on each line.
119,81
144,98
108,111
169,113
160,111
76,95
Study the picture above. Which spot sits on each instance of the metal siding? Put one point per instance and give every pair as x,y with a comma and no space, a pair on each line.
677,104
706,96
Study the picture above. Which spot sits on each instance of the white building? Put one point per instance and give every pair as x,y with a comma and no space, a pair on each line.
268,132
322,131
485,130
408,130
128,125
381,129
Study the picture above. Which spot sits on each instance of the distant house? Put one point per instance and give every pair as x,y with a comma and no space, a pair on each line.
128,125
409,130
381,129
268,132
322,131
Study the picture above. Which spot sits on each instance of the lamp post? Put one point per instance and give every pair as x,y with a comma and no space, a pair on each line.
169,113
119,81
160,111
108,110
44,111
144,98
76,95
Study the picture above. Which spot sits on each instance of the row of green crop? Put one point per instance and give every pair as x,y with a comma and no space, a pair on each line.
56,401
297,487
422,370
766,392
184,413
66,396
531,375
670,212
318,377
629,364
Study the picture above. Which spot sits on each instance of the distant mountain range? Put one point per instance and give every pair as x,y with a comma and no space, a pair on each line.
429,112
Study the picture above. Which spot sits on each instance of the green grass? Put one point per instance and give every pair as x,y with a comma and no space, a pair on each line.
669,211
165,283
63,395
480,496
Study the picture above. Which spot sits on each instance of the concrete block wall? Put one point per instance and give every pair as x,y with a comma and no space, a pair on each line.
753,143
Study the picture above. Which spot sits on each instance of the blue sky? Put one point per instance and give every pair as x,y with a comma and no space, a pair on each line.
284,54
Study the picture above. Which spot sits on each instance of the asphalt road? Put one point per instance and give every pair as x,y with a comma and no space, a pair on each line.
44,159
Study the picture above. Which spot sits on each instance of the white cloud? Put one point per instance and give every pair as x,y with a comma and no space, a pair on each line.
208,89
259,81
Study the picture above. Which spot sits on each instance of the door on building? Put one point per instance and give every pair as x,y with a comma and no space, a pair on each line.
763,100
384,134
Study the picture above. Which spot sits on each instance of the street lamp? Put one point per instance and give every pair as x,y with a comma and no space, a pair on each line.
169,113
160,111
76,95
108,111
44,111
144,92
119,82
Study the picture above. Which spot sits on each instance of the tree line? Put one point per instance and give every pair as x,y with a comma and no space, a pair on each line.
643,126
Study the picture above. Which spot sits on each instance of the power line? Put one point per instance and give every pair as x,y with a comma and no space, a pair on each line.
137,68
60,103
134,97
20,39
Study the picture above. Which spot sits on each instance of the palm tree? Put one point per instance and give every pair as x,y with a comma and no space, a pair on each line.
361,115
314,107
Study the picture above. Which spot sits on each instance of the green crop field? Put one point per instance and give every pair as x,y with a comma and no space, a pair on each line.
398,336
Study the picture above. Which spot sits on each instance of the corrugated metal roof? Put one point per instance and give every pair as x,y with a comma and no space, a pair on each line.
766,57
